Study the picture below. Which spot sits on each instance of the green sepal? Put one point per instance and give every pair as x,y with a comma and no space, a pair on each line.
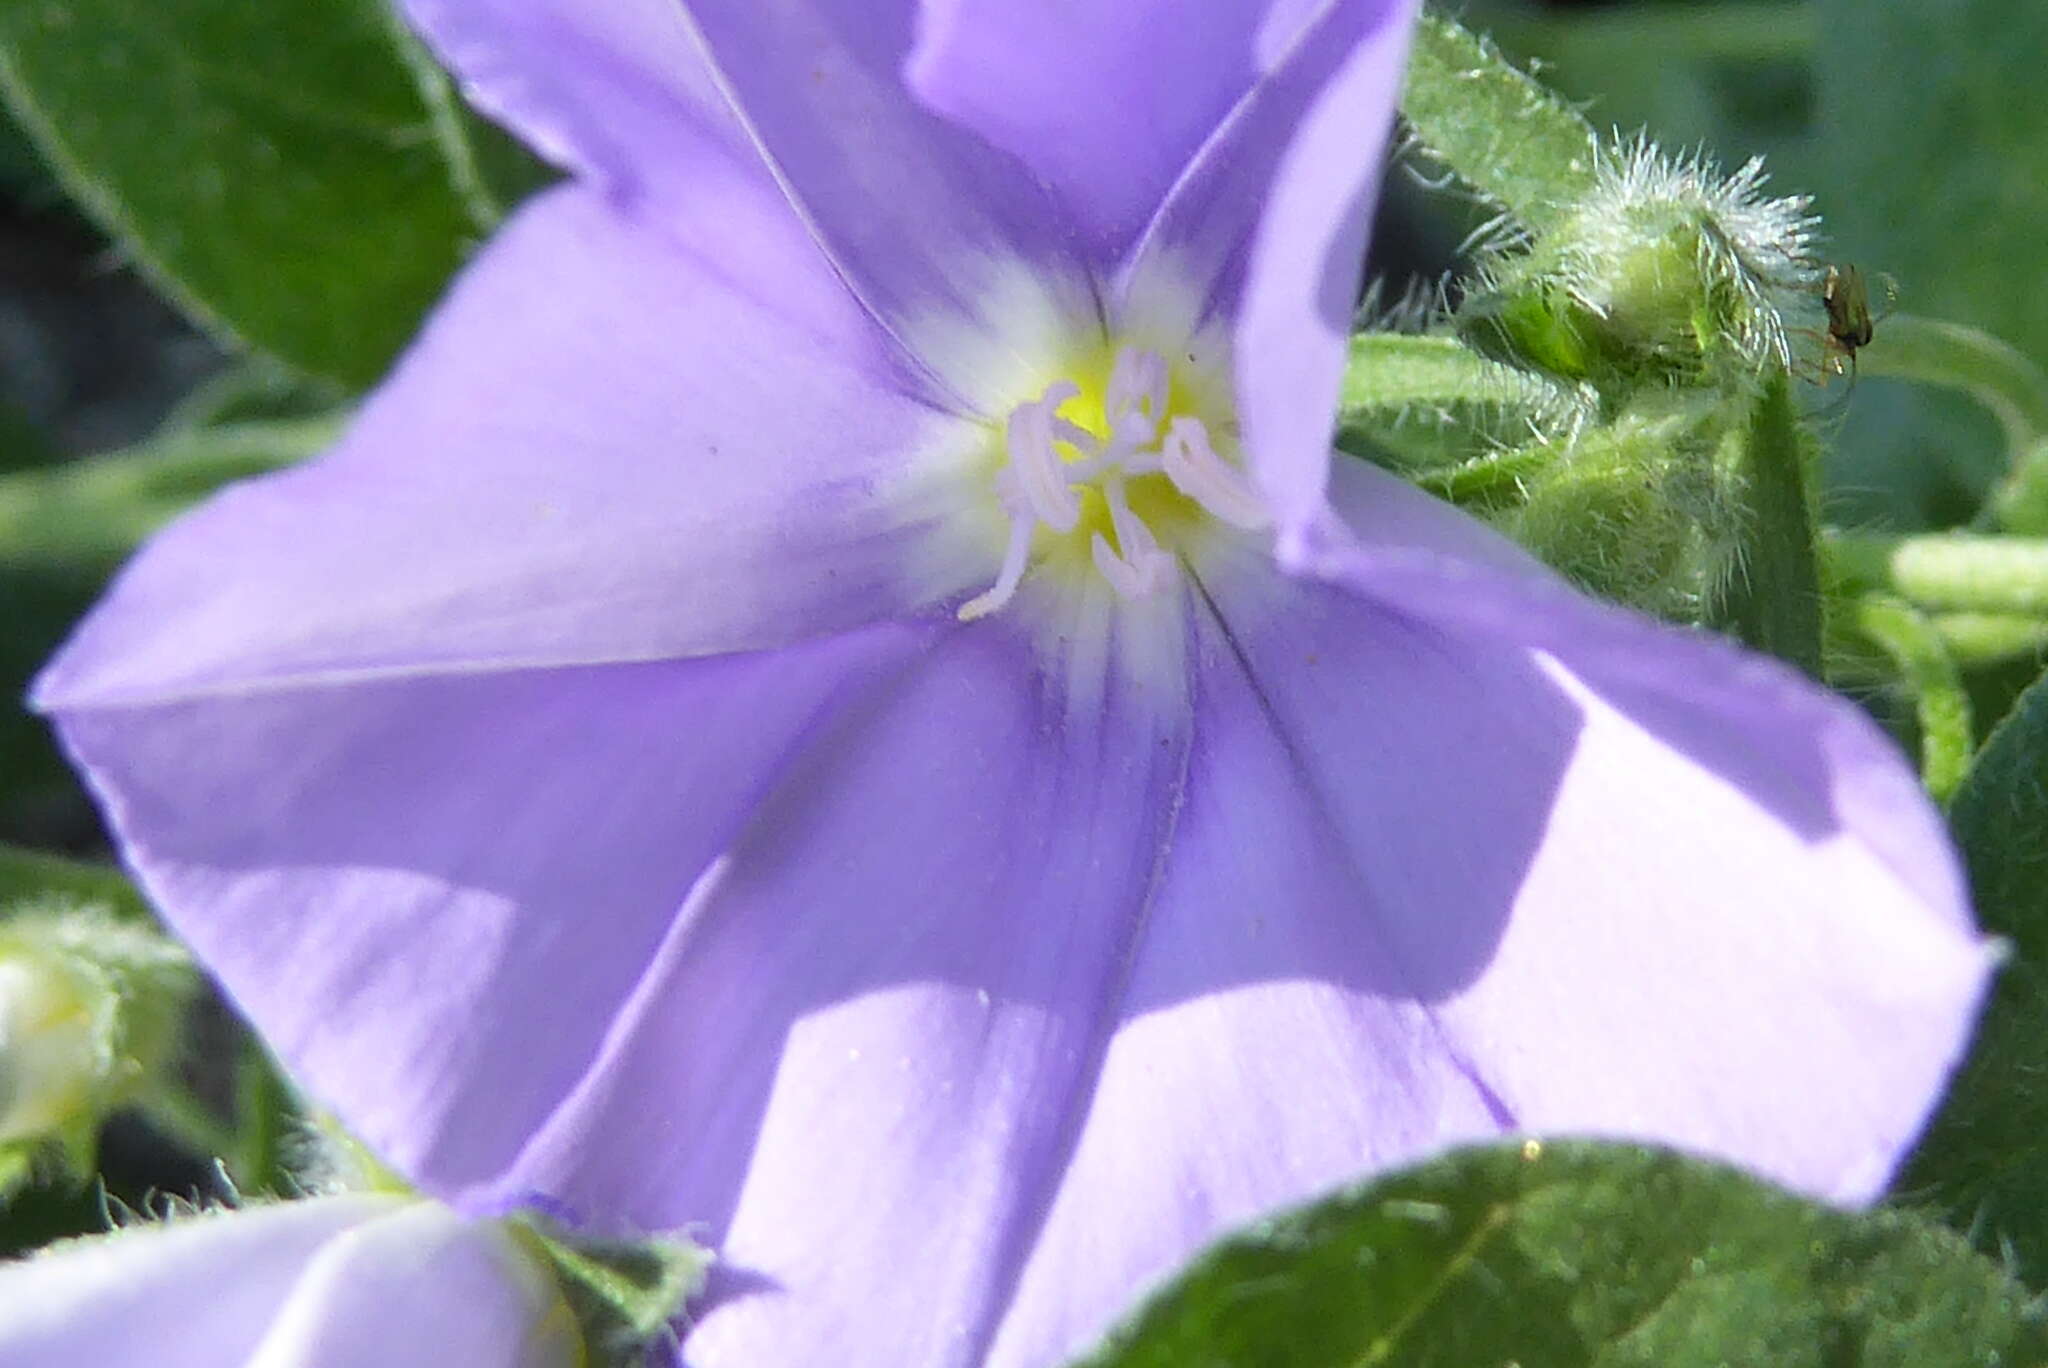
1771,599
1572,1254
1668,274
625,1295
1542,328
1423,405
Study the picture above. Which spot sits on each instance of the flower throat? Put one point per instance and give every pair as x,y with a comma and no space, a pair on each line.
1127,477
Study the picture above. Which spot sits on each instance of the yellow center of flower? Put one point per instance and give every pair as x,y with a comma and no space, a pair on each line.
1115,468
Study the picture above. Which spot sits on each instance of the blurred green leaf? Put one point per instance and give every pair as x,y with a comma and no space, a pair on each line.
1932,158
1731,75
89,514
63,531
1584,1255
299,176
1985,1159
255,389
27,876
1929,351
1929,164
22,443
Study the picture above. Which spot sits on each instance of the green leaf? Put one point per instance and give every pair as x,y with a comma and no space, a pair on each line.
298,176
1583,1254
1772,598
1506,135
1985,1159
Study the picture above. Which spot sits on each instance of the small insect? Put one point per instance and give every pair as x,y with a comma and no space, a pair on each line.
1850,323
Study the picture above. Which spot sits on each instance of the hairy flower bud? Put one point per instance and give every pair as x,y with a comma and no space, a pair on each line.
88,1009
50,1060
1665,273
1630,512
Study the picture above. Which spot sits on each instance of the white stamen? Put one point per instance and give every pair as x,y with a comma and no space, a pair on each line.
1015,556
1038,485
1039,477
1198,472
1076,436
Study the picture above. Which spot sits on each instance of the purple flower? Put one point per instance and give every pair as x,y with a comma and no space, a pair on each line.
353,1281
784,717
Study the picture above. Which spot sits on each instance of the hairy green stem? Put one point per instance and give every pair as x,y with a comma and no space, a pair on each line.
1942,705
1949,571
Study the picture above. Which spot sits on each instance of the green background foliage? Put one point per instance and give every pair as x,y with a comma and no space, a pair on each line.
1584,1255
297,176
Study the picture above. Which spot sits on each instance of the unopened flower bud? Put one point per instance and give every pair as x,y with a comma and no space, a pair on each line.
51,1056
89,1007
1666,273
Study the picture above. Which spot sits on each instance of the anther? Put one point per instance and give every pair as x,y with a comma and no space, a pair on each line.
1039,475
1198,472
